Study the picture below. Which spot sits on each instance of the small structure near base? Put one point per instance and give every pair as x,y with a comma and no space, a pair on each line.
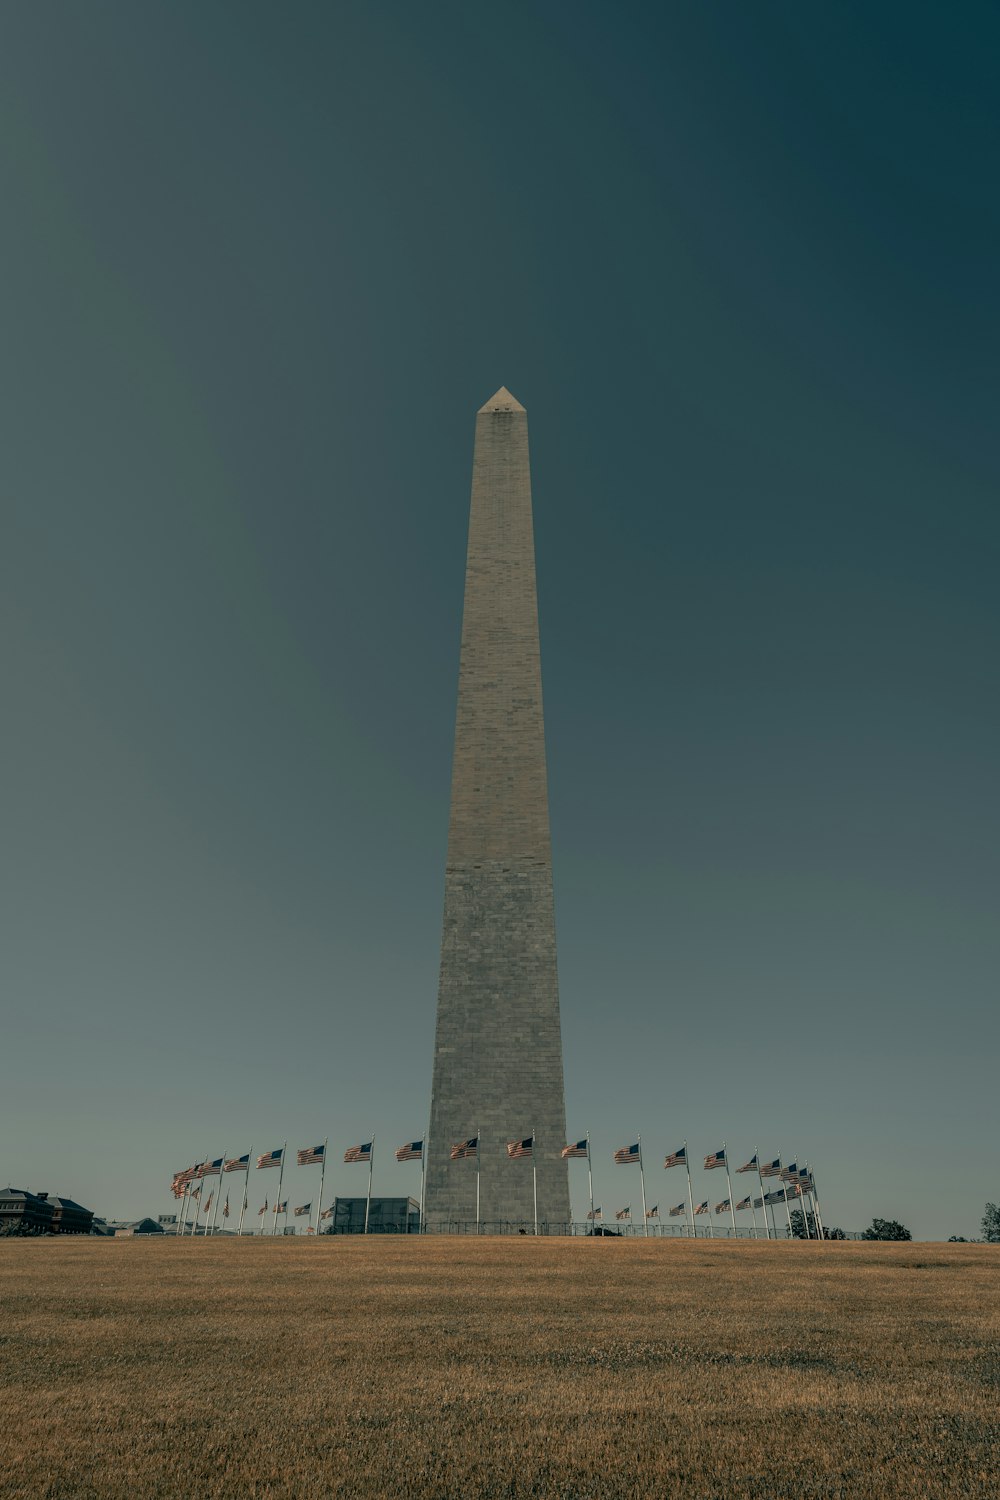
385,1216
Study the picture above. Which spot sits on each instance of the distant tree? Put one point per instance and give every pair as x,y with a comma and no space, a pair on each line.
991,1224
958,1239
799,1225
19,1231
886,1229
799,1228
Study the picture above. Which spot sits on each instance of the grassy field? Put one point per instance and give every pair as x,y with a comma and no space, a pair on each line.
394,1367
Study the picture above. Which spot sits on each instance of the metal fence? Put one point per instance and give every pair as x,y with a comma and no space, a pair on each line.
615,1229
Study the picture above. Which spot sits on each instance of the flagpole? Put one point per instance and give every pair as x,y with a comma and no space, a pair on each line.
477,1178
371,1164
729,1180
590,1182
807,1192
814,1195
193,1222
182,1215
687,1163
802,1208
322,1174
784,1194
642,1188
534,1174
281,1173
763,1196
215,1205
753,1214
187,1211
246,1192
423,1168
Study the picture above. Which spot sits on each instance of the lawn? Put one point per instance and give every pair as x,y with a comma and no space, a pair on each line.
449,1367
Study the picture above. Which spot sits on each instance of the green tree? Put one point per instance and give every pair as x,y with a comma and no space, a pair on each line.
886,1229
799,1225
991,1224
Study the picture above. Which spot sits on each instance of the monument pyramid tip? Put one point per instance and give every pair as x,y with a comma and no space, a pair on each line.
502,401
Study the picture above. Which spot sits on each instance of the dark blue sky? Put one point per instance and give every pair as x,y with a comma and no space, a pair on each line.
260,267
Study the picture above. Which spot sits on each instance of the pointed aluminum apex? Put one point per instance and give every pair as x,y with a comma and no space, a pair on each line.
502,401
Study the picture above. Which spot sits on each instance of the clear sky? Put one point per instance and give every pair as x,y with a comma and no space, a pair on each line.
260,266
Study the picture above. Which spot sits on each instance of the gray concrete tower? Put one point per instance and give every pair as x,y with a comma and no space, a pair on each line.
498,1052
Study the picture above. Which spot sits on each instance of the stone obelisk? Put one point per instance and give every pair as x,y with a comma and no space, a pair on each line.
498,1052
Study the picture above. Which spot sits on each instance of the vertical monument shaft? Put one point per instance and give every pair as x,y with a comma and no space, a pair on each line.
498,1051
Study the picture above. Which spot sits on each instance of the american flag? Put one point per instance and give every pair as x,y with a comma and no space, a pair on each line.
311,1156
749,1166
180,1182
262,1210
627,1156
238,1164
196,1192
302,1209
624,1213
327,1213
702,1208
465,1148
521,1148
412,1151
789,1174
677,1158
213,1168
723,1207
282,1207
208,1202
654,1212
744,1203
675,1213
270,1158
717,1159
579,1149
773,1170
776,1197
225,1208
805,1178
596,1213
359,1153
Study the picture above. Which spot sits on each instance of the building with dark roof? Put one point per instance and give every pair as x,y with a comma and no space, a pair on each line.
69,1217
25,1211
42,1211
127,1227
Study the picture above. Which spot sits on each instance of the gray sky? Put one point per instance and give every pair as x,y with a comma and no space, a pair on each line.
260,267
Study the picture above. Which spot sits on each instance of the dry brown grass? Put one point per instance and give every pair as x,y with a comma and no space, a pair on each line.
393,1367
